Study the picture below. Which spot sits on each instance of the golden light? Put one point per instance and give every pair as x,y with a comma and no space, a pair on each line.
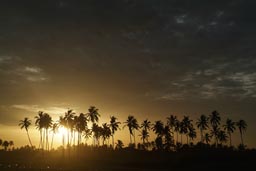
62,131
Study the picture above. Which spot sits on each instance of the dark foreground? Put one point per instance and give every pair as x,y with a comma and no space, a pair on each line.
124,160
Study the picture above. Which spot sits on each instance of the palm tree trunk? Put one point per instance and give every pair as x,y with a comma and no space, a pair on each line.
130,138
134,138
187,138
181,138
230,142
177,138
241,135
113,141
29,139
52,140
201,132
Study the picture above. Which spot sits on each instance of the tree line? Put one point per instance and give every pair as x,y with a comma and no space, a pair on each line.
169,135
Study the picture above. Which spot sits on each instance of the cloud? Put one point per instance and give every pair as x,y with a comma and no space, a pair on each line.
15,70
36,108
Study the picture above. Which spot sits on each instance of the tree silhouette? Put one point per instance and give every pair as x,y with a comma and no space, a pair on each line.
202,124
69,118
158,128
11,143
215,132
171,122
54,130
177,129
144,136
63,124
187,124
25,123
230,128
80,125
207,138
119,144
5,145
222,136
114,126
93,116
132,124
215,122
39,126
242,126
146,125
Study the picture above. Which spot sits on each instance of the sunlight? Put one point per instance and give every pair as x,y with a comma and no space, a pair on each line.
62,131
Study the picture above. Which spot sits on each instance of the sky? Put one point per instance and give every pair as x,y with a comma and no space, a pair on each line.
147,58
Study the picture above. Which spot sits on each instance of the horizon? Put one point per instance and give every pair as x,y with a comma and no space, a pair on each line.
143,58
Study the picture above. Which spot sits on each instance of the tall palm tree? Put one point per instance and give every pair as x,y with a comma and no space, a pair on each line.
144,136
39,126
87,133
230,128
187,123
192,133
132,124
222,137
207,138
171,122
146,125
215,119
54,130
5,145
215,122
158,128
25,123
69,117
242,126
93,116
47,123
114,126
202,124
81,125
215,132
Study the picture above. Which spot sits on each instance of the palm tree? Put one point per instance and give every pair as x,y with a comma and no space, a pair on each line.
158,128
81,125
230,128
146,125
105,132
207,138
192,133
144,136
114,126
25,123
93,116
87,133
242,125
132,124
5,145
171,122
54,130
119,144
222,136
202,124
215,132
69,117
215,119
215,122
47,124
186,124
39,126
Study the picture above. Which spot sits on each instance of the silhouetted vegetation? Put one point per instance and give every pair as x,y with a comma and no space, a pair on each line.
165,151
